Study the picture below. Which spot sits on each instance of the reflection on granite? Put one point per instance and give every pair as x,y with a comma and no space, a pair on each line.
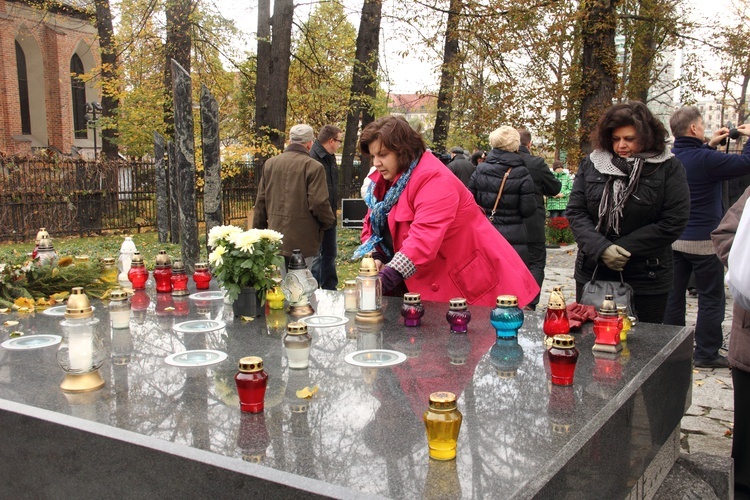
363,429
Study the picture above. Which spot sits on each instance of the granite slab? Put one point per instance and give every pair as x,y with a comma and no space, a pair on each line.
155,429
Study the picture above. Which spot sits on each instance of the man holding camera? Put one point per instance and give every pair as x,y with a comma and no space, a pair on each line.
706,169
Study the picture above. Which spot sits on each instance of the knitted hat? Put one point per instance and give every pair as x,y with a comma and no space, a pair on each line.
301,134
457,150
505,138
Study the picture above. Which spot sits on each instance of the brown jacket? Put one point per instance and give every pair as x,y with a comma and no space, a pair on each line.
293,200
723,236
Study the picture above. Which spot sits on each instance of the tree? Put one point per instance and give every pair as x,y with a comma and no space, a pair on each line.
177,47
364,86
109,78
447,77
733,50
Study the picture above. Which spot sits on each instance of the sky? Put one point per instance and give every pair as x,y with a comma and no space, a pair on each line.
410,73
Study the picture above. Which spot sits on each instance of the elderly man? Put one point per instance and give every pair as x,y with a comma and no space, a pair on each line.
706,168
293,197
460,165
324,150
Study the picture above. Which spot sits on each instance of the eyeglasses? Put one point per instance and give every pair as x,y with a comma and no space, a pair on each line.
338,140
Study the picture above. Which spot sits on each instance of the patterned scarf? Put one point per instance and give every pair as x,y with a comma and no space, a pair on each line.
379,211
624,176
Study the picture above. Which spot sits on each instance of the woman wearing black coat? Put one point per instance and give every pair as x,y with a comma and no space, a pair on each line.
517,201
630,201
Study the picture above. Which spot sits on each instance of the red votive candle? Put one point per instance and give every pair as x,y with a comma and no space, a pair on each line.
251,384
563,356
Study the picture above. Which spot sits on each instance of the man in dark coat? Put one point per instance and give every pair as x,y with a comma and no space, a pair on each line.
293,197
545,184
706,169
324,150
460,165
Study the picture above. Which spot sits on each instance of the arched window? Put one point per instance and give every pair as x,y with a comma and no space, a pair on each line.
78,90
23,90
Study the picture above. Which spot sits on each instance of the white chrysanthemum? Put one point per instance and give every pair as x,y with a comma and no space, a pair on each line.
218,233
245,240
216,257
270,234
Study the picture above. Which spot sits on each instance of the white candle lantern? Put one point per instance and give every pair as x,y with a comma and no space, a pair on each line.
369,292
81,352
127,250
298,286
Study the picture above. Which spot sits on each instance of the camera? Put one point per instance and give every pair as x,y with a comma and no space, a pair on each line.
733,134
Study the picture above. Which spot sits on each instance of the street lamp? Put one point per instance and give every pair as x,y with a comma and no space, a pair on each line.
91,109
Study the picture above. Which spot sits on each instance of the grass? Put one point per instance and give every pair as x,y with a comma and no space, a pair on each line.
148,244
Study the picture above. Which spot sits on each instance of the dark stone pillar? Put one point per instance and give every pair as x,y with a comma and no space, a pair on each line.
185,159
174,194
212,213
162,191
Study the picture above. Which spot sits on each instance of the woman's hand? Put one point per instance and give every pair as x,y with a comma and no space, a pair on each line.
379,264
615,257
390,278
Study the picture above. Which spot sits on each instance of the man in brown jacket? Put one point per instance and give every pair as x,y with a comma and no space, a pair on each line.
739,356
293,196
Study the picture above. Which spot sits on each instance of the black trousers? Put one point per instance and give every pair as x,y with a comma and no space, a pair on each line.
536,260
741,436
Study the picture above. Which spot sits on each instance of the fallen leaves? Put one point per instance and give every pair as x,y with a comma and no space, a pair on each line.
307,392
16,334
247,318
24,304
10,323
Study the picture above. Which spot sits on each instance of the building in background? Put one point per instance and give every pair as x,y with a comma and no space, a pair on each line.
419,110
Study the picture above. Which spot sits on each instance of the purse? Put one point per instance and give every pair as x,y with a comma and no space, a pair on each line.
491,217
594,291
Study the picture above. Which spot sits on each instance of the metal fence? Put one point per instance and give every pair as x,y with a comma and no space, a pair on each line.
77,197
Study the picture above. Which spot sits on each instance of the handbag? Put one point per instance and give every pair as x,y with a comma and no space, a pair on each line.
491,217
594,291
738,274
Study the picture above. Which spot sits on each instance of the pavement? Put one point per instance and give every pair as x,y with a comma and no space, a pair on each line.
707,424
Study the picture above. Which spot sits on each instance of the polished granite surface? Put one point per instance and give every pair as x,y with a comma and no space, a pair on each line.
363,429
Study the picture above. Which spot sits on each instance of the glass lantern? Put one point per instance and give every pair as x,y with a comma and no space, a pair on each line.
81,352
369,292
163,272
607,327
298,286
127,250
46,252
138,274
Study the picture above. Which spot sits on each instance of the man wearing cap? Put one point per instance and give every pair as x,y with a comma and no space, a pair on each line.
324,150
460,165
293,196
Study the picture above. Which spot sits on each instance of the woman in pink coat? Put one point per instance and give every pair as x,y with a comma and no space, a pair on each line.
425,230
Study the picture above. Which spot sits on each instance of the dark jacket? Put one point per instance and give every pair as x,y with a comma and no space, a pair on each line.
653,218
318,152
518,199
462,168
545,184
293,200
706,169
723,236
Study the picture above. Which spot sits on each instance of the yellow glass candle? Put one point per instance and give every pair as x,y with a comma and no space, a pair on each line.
626,323
443,422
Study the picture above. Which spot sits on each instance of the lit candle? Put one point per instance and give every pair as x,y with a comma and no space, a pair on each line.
367,297
81,351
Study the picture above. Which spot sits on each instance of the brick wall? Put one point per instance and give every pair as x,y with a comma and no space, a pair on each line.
49,41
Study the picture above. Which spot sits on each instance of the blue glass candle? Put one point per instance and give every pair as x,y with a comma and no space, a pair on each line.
506,317
458,315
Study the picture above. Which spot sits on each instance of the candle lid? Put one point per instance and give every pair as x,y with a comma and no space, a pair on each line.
297,261
118,294
443,400
108,261
457,304
608,308
412,298
367,267
162,259
178,267
137,259
45,244
563,341
78,305
556,299
251,364
201,266
296,328
507,301
41,234
350,284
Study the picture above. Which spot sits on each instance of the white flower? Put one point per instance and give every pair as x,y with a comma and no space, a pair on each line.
215,257
270,234
219,233
245,240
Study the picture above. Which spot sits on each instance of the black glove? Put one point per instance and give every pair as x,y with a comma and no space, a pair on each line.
390,278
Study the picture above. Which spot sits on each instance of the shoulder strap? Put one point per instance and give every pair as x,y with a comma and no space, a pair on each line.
500,193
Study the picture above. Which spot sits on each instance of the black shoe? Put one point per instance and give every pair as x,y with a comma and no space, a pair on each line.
718,362
693,292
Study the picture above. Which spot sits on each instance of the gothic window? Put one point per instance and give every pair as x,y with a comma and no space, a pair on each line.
78,90
23,90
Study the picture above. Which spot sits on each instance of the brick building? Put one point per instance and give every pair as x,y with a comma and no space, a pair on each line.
42,103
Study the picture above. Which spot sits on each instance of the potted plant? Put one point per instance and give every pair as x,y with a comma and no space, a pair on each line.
244,262
558,231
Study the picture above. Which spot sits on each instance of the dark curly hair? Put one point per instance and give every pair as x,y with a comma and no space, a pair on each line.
650,132
396,135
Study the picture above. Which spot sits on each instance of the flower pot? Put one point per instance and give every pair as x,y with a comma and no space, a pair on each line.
248,303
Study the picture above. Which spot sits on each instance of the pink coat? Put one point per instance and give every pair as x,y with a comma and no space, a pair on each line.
457,252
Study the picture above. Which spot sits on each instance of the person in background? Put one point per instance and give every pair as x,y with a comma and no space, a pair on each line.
293,197
518,199
545,184
477,157
424,229
557,204
739,354
324,151
630,201
693,252
460,165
